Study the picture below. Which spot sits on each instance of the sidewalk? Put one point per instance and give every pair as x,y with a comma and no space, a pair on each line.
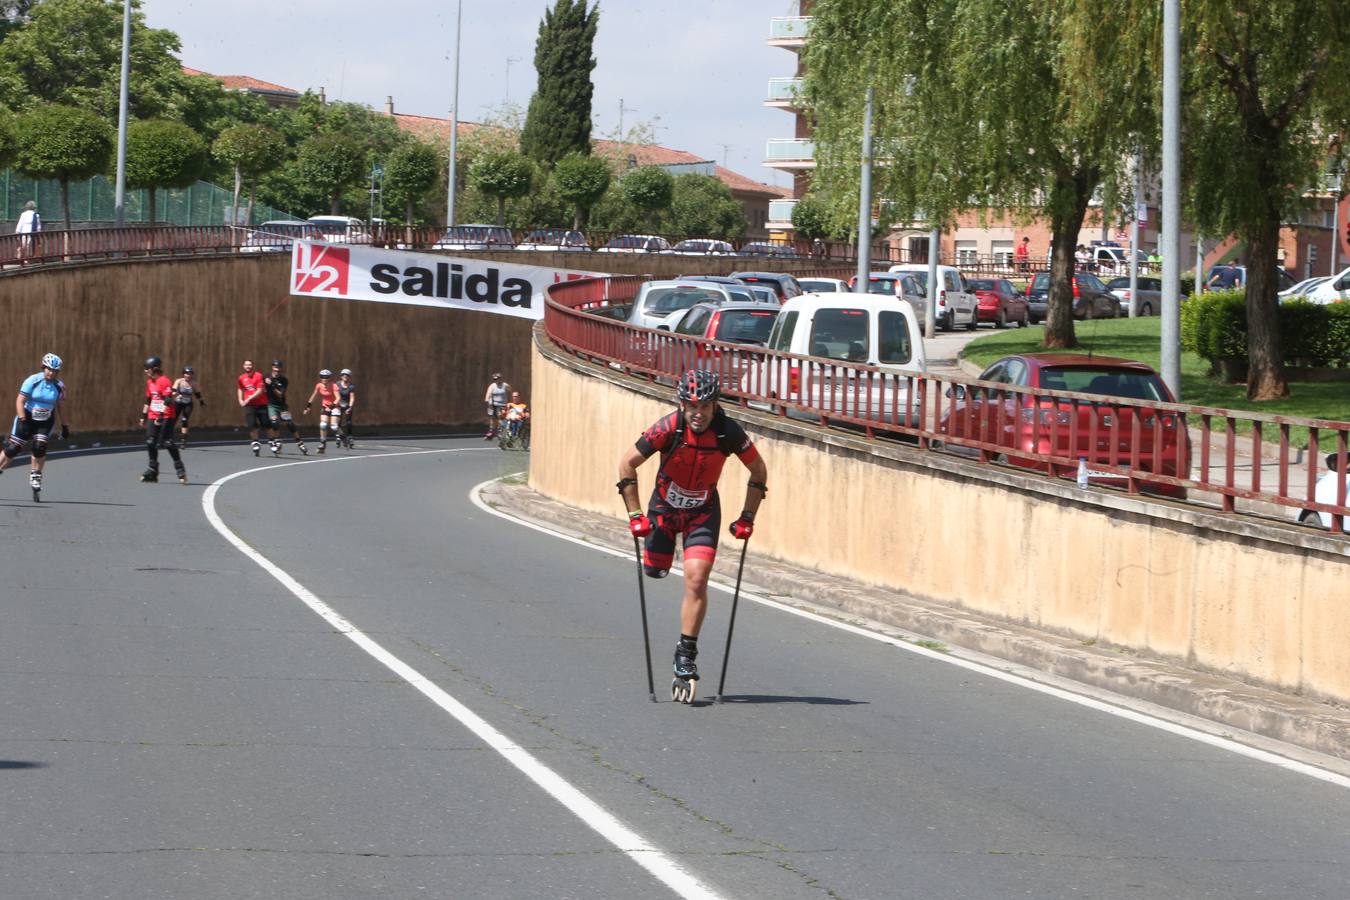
1261,713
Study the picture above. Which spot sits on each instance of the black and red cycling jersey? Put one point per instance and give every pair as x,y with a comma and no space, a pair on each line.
691,463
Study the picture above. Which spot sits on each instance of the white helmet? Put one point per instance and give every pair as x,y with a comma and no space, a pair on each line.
346,372
51,361
325,373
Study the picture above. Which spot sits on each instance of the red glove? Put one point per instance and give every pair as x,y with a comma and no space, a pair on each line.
742,528
640,525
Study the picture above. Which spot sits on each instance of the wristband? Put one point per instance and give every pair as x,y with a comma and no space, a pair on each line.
760,486
747,515
637,514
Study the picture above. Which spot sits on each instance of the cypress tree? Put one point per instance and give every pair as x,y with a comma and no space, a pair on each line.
558,121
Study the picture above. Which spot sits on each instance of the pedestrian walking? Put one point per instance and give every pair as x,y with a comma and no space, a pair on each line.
27,228
1022,254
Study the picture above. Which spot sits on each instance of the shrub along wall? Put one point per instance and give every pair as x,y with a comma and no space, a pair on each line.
1214,326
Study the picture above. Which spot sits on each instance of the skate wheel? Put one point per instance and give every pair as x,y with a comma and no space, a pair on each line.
37,495
683,691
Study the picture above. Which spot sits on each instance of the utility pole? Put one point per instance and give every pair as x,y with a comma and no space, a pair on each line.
506,98
1134,234
865,199
454,123
725,149
120,186
622,109
1170,340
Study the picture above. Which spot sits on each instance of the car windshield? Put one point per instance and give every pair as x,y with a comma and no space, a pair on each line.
881,286
743,326
1133,384
286,229
764,294
1041,282
812,285
740,294
982,284
665,300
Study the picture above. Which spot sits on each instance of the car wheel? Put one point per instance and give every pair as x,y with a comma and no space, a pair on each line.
1087,310
1025,320
947,321
1310,518
1002,320
974,321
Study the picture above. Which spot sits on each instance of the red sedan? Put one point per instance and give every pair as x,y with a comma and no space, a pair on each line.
1100,433
1000,302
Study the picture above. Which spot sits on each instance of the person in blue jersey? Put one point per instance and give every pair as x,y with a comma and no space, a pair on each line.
37,409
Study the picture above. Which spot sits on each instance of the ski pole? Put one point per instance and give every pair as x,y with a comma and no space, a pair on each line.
735,599
642,600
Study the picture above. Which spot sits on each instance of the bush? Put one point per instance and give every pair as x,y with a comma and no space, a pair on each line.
1338,334
1214,326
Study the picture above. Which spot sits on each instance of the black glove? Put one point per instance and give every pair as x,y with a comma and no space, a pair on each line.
201,401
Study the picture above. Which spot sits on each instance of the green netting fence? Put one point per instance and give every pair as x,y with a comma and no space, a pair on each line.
91,202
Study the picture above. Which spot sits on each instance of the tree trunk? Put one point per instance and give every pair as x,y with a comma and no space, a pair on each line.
577,219
1265,351
234,203
248,217
334,202
501,210
408,224
65,201
1069,203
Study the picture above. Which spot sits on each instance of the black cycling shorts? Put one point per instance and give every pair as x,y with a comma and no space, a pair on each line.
256,417
29,429
184,412
699,527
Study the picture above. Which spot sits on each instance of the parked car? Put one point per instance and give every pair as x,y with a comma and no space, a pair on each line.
636,243
763,293
1112,258
899,285
731,323
1226,277
1091,299
999,301
1045,425
784,284
704,247
842,328
823,285
1149,290
1334,290
341,229
1305,287
770,248
660,304
476,237
955,305
277,235
1325,492
554,239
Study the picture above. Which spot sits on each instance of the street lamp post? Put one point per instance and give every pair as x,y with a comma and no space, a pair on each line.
1170,326
120,188
454,125
865,199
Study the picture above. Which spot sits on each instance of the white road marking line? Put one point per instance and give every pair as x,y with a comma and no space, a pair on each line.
1131,709
634,846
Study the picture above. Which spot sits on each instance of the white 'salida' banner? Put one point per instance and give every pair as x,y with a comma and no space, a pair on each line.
358,272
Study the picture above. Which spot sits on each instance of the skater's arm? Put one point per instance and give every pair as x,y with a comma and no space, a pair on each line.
755,489
628,466
18,404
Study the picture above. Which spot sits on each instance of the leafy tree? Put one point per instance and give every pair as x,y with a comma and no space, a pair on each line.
250,150
328,164
70,52
163,154
503,176
581,181
62,143
8,140
982,104
650,189
559,118
811,219
411,172
1267,80
702,206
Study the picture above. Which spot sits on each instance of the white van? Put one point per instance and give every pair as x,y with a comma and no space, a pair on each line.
341,229
824,331
955,305
1334,290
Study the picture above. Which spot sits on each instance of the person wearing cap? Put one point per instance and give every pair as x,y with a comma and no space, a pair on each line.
185,397
157,415
278,410
253,401
29,224
495,397
330,417
346,406
37,409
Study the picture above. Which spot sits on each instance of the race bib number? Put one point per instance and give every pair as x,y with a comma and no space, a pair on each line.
681,499
285,415
157,405
40,413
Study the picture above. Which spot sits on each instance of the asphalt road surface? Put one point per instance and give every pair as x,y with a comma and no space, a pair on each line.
341,678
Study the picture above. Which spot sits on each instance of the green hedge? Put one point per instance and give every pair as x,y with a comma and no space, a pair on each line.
1214,326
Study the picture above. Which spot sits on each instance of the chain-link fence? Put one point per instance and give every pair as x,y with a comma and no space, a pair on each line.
91,203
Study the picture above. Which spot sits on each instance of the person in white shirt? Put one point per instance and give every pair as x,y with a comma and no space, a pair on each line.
28,225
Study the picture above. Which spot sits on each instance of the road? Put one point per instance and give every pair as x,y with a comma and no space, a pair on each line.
339,677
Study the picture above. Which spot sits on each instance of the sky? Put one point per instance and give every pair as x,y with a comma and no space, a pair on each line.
698,70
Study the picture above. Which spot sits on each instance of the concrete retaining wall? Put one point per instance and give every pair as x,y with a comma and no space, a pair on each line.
1262,603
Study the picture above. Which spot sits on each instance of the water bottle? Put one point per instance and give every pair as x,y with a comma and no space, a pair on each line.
1082,472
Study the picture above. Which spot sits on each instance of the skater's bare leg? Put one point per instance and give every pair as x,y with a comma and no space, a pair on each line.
695,605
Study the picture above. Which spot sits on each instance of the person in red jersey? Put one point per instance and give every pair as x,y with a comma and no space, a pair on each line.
157,415
253,400
694,443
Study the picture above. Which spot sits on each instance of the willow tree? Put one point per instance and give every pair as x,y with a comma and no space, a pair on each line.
1268,85
980,105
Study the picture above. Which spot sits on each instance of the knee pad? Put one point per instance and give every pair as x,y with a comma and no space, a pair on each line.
39,449
654,572
12,447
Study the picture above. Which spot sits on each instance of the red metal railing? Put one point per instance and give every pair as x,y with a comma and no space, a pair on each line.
1169,449
47,247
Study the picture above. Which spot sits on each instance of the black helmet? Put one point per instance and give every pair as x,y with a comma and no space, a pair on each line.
153,362
188,370
698,386
278,363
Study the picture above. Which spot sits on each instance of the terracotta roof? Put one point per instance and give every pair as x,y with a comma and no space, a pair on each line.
244,82
432,128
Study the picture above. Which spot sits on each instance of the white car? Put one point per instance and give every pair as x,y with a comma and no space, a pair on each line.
636,243
341,229
1304,287
955,305
277,236
1334,290
1325,492
476,237
554,239
704,247
824,285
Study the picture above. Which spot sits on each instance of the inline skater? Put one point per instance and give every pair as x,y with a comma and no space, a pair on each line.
185,396
253,401
495,398
346,389
37,409
278,412
157,415
694,443
329,415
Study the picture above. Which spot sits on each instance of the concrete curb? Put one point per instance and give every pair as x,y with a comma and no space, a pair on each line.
1295,720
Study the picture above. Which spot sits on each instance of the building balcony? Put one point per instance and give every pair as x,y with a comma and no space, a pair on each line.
789,31
784,93
792,153
780,215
